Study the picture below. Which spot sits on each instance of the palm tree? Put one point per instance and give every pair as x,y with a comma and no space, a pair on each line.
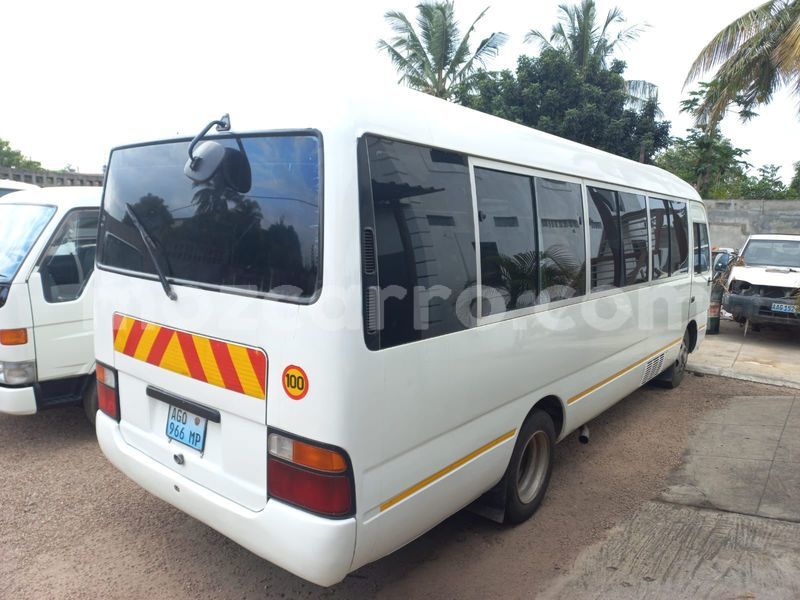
755,55
437,59
590,44
579,34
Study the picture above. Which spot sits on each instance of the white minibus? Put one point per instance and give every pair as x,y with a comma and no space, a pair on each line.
48,239
325,333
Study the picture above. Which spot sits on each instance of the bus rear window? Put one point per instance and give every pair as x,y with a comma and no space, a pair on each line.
265,240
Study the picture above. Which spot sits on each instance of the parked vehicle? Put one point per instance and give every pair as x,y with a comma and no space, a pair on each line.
48,239
764,283
9,185
323,379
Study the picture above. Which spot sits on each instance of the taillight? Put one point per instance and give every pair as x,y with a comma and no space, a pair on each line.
107,396
309,476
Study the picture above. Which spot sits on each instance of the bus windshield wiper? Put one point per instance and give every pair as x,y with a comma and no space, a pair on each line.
152,250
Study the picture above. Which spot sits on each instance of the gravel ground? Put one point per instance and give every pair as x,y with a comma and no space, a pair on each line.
71,526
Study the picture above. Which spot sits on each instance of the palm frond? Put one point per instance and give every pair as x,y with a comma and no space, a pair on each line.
731,38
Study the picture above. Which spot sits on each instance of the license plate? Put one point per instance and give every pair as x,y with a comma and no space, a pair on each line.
783,308
186,428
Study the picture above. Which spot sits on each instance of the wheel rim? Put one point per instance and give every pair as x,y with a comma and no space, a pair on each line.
683,357
532,468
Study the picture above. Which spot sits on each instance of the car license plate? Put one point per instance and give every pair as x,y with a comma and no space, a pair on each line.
186,428
783,308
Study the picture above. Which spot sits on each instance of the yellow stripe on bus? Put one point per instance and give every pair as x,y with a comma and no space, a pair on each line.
597,386
244,369
203,347
173,359
448,469
146,341
125,327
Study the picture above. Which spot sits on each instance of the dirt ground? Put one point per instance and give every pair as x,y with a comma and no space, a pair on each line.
71,526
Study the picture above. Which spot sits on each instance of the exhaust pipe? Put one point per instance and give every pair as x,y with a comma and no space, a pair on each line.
583,434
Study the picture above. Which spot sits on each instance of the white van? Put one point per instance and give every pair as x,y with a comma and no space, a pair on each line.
325,335
8,186
48,239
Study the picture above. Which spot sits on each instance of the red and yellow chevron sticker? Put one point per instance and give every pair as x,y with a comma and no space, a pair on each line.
237,368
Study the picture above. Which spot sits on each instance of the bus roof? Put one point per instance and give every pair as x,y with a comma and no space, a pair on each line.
397,112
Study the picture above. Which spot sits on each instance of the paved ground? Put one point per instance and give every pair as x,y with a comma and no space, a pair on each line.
726,526
73,527
766,356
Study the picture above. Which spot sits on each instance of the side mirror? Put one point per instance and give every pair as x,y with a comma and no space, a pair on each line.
204,162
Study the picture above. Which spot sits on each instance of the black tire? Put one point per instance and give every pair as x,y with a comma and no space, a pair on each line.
528,472
672,377
90,401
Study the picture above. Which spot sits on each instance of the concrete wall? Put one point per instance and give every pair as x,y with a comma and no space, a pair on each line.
732,221
51,178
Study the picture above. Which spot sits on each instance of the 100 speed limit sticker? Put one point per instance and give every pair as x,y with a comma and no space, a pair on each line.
295,382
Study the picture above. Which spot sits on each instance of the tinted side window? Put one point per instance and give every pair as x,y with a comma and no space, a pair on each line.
425,239
679,238
702,251
563,245
633,223
660,244
509,274
605,239
68,263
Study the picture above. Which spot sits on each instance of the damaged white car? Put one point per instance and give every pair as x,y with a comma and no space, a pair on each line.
764,285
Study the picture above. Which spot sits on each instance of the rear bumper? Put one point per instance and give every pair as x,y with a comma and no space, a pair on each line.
17,401
757,309
317,549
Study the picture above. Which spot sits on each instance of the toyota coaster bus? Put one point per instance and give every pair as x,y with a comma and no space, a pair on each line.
322,327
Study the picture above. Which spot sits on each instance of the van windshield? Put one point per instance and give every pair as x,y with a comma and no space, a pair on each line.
20,226
265,240
772,253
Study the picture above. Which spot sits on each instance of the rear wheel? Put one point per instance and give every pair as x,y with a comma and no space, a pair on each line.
90,401
528,472
672,377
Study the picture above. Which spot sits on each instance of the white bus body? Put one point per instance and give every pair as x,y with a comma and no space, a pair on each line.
48,239
402,410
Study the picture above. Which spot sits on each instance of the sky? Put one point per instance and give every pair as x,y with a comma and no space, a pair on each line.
85,75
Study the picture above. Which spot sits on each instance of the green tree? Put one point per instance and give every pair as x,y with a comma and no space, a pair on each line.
753,56
707,160
578,33
590,43
766,186
437,58
551,93
794,186
15,159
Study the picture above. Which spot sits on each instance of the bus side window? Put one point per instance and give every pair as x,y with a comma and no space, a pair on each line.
562,246
605,239
633,224
702,251
679,238
509,265
424,238
659,243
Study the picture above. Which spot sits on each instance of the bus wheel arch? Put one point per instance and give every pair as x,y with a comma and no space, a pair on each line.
553,406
